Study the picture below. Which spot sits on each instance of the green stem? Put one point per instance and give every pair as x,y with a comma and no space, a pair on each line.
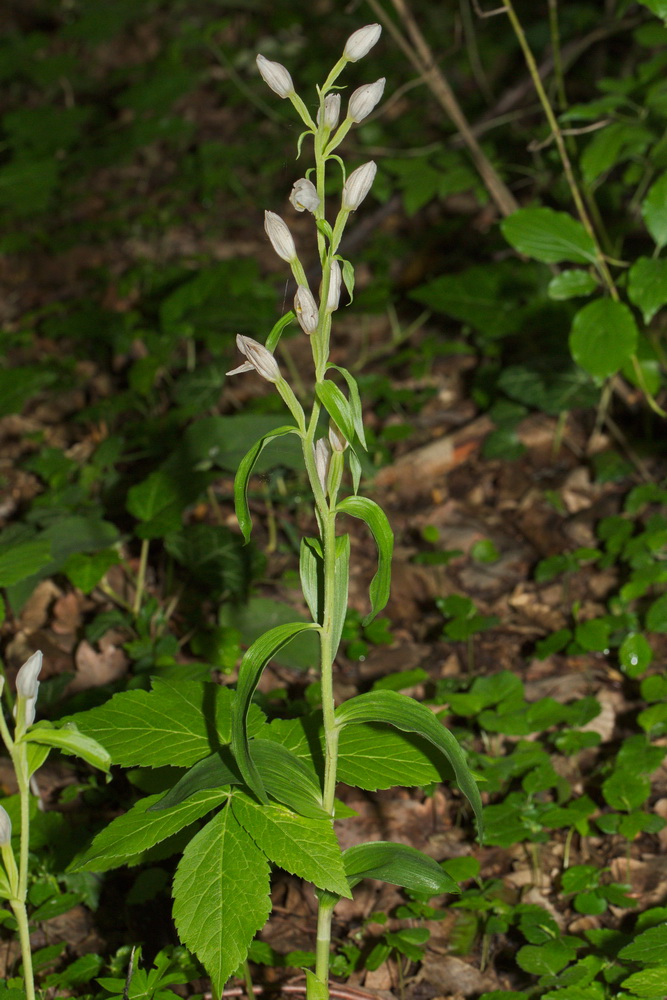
141,576
323,948
21,916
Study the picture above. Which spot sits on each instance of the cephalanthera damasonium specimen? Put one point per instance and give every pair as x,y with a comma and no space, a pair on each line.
263,793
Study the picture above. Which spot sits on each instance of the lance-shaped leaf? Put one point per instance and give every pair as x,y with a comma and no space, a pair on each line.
244,473
549,236
398,864
255,659
311,569
277,331
411,716
337,406
69,740
376,519
355,403
139,829
177,723
302,846
221,895
286,778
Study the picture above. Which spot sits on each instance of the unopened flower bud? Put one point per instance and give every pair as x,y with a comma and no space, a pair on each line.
27,684
259,358
5,827
304,196
306,309
280,236
276,76
337,439
331,111
335,278
361,42
358,185
322,459
364,99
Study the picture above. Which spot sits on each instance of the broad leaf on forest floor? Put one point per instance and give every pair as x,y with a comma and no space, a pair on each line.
405,713
178,723
549,236
301,845
139,829
604,335
221,895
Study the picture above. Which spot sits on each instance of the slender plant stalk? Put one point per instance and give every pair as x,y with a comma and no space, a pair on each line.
582,211
420,55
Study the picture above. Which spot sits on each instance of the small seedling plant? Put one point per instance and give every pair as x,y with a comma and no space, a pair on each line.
249,793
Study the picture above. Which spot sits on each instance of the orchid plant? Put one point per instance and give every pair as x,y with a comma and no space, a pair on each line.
28,748
253,793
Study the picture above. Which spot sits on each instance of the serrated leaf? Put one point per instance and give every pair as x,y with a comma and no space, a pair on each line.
376,519
654,211
571,284
399,865
139,829
650,944
647,285
604,335
285,776
70,741
549,236
411,716
255,659
221,895
173,724
301,845
244,473
355,403
649,983
337,406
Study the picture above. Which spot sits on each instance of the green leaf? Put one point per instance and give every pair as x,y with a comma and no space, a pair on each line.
604,335
221,895
354,402
277,331
311,570
301,845
546,959
650,983
139,829
286,778
85,571
317,990
411,716
635,654
176,723
571,284
21,561
654,211
616,142
548,236
376,519
656,616
647,286
337,406
244,472
252,665
398,864
648,946
69,740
